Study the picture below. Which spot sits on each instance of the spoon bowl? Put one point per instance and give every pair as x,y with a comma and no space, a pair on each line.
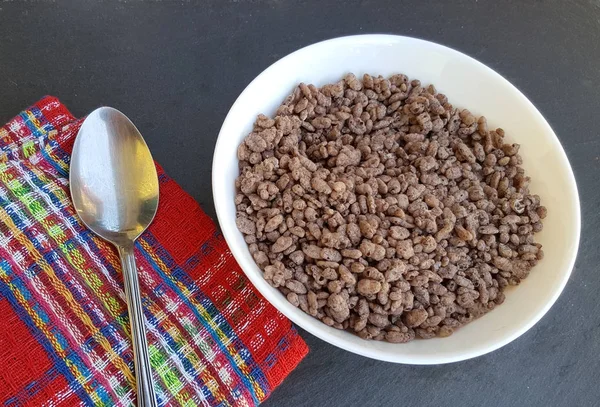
114,185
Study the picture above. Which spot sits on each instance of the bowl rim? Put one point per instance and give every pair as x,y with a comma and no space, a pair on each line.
378,353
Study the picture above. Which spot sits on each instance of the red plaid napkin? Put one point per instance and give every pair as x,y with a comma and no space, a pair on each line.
64,332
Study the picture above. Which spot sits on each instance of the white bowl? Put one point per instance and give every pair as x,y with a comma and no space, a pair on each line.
467,83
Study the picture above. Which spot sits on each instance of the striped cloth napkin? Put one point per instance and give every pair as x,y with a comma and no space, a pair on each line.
64,332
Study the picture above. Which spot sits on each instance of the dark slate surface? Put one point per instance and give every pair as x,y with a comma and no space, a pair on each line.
176,67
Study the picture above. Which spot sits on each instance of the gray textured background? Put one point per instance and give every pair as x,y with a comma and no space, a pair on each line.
176,67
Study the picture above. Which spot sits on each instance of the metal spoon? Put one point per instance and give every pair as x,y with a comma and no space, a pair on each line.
114,188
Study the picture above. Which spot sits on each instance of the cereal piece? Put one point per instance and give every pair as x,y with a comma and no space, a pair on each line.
405,249
378,320
399,337
351,253
282,243
368,287
464,153
245,225
338,307
273,223
296,286
399,233
330,254
395,272
415,317
256,143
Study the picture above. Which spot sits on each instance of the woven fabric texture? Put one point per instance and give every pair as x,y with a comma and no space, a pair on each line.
64,333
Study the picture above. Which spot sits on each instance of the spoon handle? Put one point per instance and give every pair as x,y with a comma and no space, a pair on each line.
141,357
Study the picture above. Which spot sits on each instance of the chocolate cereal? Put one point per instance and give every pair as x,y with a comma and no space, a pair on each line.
377,207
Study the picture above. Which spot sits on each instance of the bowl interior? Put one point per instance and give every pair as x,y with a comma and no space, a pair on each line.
468,84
